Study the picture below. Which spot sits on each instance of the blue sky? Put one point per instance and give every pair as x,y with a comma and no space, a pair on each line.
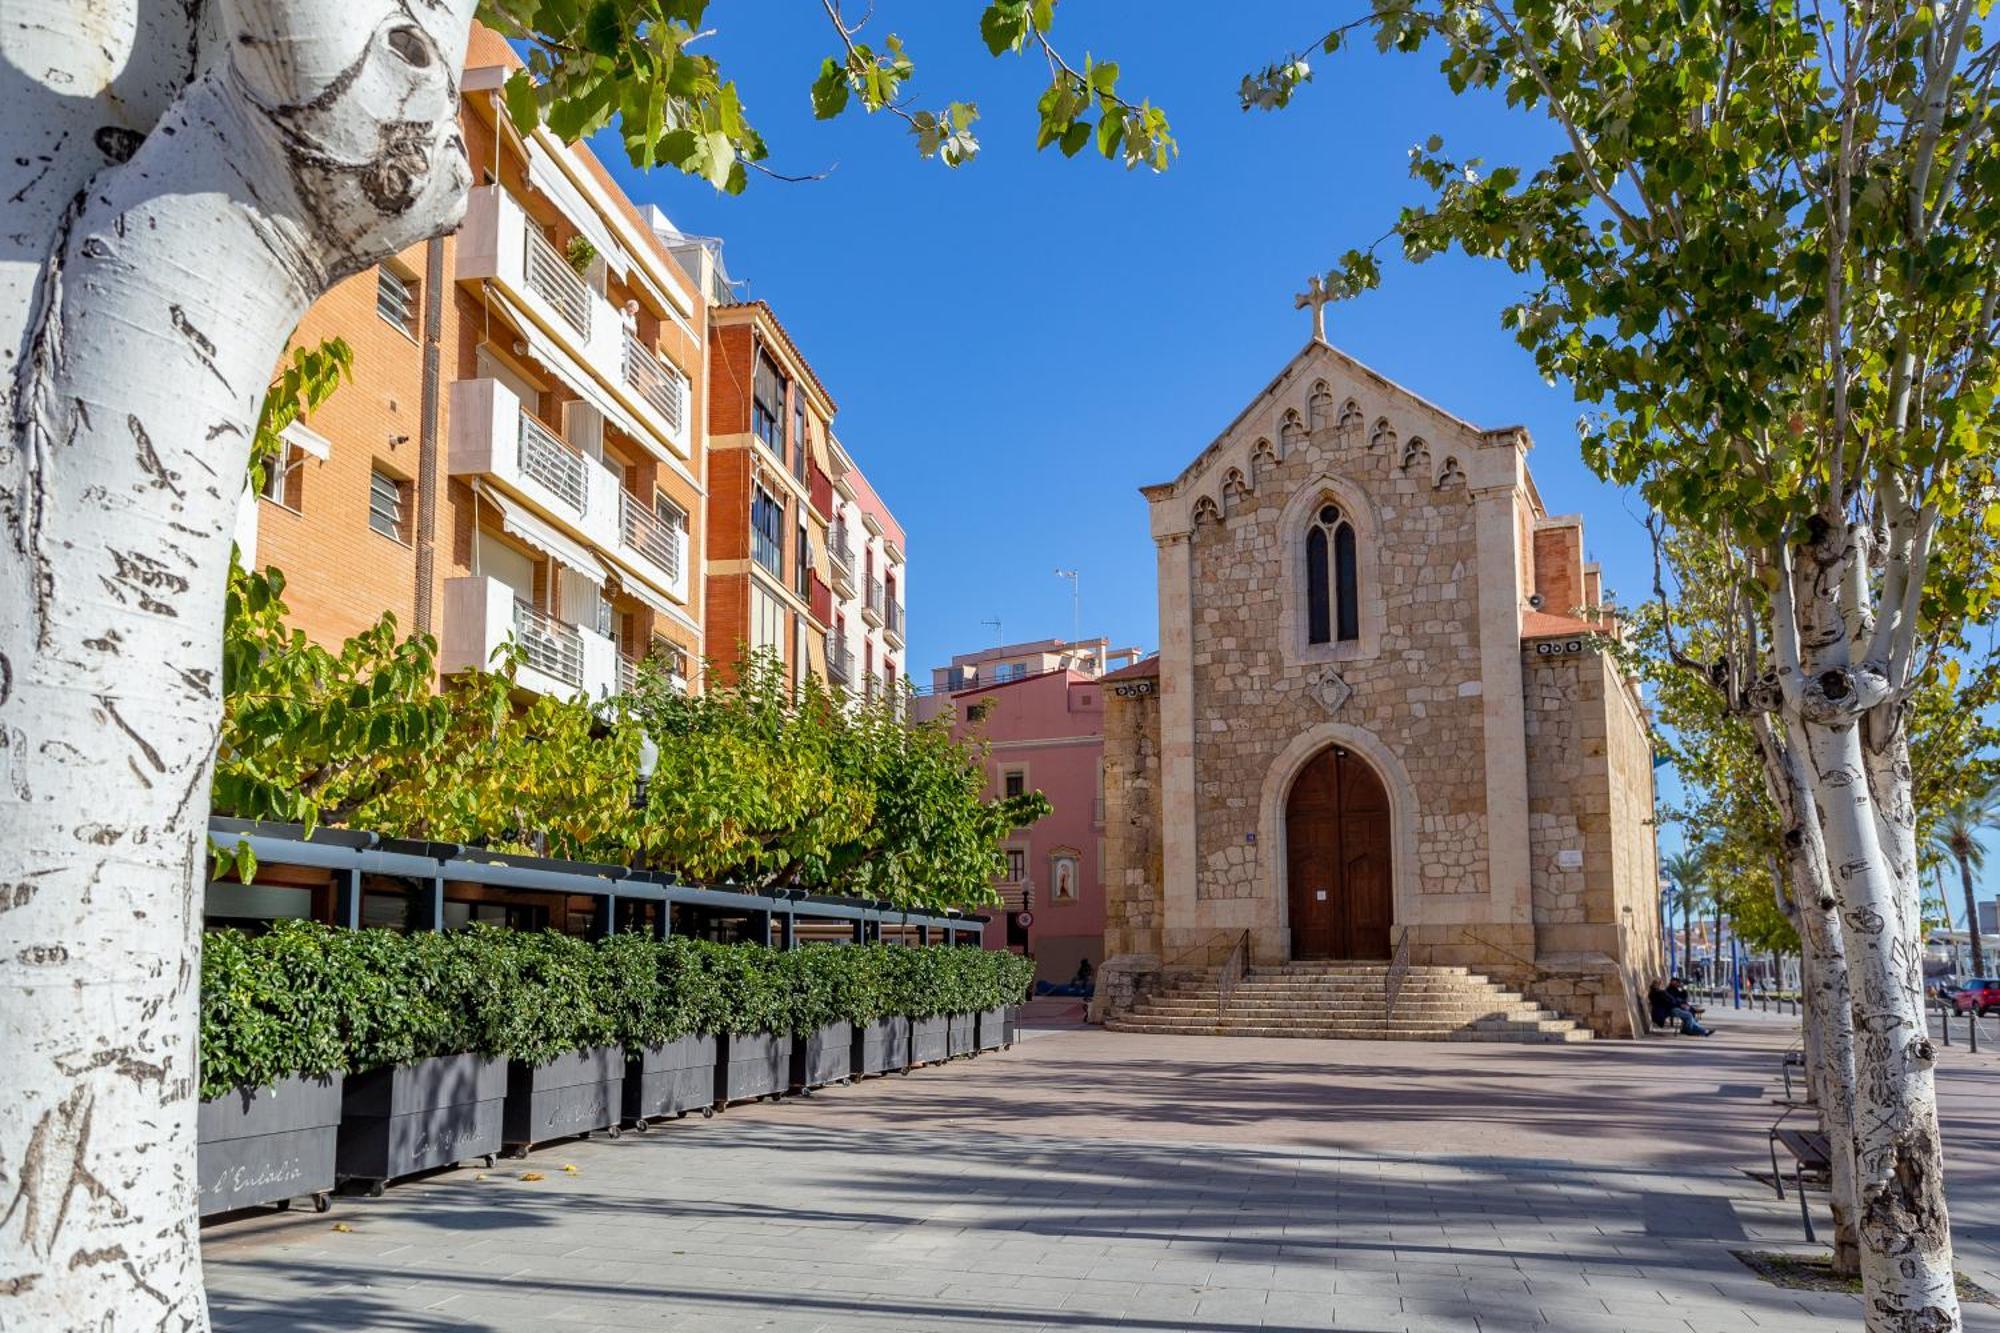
1016,346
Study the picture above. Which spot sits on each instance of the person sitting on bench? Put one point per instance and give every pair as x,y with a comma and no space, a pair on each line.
1666,1009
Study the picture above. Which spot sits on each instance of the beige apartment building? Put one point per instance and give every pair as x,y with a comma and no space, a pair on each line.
521,453
526,453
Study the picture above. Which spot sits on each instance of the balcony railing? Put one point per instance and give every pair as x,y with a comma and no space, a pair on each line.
840,559
892,617
839,663
552,647
546,458
658,384
650,535
628,674
551,277
872,607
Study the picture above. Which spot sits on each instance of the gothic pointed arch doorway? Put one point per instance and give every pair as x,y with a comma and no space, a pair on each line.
1338,860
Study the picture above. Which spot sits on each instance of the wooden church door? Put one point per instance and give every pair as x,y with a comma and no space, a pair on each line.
1337,855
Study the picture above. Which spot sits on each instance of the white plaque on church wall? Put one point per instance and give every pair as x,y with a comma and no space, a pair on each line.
1569,859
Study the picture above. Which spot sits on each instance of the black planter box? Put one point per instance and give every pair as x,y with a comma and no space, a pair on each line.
575,1093
960,1041
929,1040
752,1064
882,1047
409,1118
1010,1024
994,1030
268,1145
824,1055
670,1079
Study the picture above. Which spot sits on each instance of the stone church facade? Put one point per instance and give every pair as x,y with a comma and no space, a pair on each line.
1383,722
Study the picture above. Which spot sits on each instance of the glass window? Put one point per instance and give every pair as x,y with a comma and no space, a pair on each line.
387,504
1017,865
767,408
767,531
396,299
1014,783
798,432
767,622
1333,595
284,476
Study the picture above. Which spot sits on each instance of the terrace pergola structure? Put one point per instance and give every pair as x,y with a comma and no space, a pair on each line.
355,878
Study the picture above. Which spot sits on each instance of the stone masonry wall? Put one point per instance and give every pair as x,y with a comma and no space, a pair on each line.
1132,878
1414,676
1595,884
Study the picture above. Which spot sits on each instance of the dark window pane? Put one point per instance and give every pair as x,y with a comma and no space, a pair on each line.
1318,621
1344,579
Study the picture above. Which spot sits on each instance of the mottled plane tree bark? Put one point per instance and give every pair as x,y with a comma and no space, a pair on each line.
179,182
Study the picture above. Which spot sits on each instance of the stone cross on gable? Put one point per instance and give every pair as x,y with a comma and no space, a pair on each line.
1317,296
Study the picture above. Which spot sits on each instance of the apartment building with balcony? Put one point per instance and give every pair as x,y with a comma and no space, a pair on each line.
771,494
865,553
1039,707
522,451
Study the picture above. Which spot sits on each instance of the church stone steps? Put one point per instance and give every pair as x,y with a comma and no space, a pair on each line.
1357,1032
1464,1013
1350,1001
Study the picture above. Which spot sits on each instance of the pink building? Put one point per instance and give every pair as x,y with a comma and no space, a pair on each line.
1040,709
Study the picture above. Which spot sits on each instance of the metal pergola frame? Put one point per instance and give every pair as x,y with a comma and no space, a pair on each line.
350,854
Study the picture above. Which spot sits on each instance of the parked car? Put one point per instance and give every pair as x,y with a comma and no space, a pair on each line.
1980,995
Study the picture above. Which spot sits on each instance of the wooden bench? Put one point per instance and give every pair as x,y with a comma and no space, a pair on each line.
1812,1155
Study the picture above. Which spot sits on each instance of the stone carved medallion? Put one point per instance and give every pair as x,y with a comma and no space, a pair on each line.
1331,690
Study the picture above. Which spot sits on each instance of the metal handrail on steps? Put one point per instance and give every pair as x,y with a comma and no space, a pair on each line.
1392,980
1233,968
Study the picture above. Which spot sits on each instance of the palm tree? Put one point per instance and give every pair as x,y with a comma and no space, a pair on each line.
1684,870
1957,836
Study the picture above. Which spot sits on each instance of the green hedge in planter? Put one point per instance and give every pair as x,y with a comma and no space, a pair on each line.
312,999
270,1008
926,982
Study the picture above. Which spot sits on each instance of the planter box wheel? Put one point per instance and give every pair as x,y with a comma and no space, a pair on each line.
268,1145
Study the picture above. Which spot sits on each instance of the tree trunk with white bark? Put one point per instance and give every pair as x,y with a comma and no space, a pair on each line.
1828,1020
1844,723
180,181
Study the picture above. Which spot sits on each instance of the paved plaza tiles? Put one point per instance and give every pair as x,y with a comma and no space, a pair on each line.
1088,1180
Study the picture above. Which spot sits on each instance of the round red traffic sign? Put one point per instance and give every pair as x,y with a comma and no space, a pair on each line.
1026,919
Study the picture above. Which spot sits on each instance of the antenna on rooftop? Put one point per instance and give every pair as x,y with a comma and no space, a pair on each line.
1075,603
995,623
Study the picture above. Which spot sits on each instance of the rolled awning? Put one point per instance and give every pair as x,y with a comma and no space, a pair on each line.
518,522
549,353
546,174
639,591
